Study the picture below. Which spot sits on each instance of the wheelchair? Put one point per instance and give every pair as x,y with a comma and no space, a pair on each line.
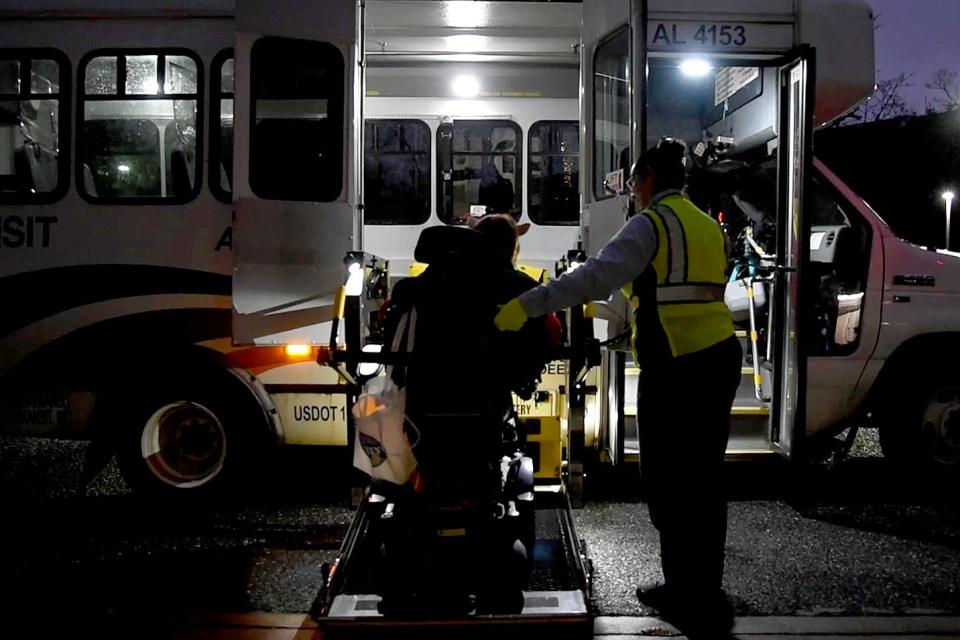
458,538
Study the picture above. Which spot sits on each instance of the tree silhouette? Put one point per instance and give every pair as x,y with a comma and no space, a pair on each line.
945,82
885,103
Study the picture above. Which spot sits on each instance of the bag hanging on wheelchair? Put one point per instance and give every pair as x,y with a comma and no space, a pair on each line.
382,447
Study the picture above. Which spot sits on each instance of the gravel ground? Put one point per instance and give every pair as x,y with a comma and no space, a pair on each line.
780,562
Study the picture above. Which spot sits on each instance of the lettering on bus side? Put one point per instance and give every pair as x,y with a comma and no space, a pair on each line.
45,412
226,240
704,35
18,232
555,368
318,413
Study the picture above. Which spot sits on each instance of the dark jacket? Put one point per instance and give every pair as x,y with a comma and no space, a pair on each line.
463,370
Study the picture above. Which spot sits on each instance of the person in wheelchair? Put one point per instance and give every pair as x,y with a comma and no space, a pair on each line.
465,519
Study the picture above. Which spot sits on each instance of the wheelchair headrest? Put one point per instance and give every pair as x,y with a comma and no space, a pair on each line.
443,243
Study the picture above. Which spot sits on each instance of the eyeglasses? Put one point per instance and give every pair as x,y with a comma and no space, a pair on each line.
631,183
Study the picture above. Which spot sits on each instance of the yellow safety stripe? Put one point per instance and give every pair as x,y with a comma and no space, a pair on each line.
750,411
339,302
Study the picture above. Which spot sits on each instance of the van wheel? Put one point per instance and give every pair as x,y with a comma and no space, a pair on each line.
923,430
182,443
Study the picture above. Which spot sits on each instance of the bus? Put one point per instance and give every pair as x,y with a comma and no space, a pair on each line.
185,186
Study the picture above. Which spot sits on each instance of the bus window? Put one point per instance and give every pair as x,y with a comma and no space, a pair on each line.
221,126
554,188
33,160
296,143
396,172
101,76
140,127
611,109
486,169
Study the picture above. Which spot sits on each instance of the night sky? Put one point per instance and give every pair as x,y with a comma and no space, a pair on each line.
917,36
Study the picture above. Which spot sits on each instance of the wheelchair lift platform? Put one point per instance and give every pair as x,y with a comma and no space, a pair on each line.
557,597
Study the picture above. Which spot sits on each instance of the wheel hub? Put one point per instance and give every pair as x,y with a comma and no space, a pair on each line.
184,444
941,427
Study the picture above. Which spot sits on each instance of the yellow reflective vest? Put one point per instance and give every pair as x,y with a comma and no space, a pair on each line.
689,272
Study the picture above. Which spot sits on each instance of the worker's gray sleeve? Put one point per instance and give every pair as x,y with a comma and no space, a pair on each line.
622,259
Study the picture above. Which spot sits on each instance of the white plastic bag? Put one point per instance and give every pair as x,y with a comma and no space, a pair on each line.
382,447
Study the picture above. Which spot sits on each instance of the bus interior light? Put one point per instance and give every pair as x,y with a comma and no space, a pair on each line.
466,87
695,67
469,15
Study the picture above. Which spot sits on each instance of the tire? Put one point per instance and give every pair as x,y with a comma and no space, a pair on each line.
186,440
922,431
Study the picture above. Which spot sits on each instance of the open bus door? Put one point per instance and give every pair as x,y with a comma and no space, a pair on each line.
796,83
296,182
612,58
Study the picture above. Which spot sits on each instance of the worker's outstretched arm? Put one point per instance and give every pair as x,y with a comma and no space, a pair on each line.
622,259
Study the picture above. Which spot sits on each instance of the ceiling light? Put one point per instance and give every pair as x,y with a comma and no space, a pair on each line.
466,14
466,87
695,67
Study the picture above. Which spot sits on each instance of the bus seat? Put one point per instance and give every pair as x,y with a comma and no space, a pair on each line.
180,172
23,170
440,243
43,168
89,186
225,178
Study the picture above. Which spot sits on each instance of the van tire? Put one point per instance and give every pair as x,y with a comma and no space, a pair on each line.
185,440
921,431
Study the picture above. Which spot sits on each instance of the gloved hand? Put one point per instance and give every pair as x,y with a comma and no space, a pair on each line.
511,317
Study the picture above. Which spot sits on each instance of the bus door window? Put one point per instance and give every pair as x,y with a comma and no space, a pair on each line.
221,126
486,171
396,172
297,135
140,127
553,189
33,164
611,109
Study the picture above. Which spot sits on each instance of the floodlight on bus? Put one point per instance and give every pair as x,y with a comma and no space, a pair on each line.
695,67
123,168
466,87
298,350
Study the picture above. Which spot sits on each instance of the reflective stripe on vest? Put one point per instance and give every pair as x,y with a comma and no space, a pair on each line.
677,243
690,267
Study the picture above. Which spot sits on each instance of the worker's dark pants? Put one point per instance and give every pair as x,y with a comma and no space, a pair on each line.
683,415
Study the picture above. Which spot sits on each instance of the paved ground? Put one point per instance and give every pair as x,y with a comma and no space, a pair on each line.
856,542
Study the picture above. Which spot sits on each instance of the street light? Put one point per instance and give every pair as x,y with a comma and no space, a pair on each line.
948,197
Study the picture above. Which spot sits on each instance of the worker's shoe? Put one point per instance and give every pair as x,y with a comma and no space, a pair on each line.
654,595
699,617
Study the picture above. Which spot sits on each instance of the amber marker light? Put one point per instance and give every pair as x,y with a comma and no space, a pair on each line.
298,350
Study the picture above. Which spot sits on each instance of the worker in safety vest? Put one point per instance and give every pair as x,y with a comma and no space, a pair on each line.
670,261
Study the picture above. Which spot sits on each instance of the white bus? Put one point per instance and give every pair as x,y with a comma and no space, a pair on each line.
180,183
134,316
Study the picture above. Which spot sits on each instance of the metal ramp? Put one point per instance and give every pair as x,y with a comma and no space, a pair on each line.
557,598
